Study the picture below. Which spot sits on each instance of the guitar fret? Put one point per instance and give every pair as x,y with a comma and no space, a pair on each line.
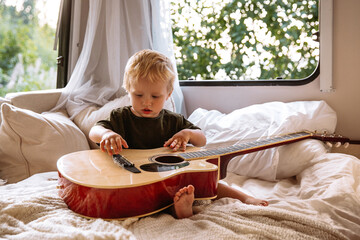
211,152
221,151
248,145
202,154
231,149
192,155
237,148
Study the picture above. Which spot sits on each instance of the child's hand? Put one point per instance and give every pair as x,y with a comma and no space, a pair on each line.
179,140
112,143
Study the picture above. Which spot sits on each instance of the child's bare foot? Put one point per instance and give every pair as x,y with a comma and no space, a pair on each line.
183,201
256,201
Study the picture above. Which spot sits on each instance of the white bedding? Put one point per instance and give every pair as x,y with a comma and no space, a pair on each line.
263,120
312,194
322,202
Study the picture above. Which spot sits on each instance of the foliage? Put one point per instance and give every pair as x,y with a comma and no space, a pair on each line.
27,61
245,39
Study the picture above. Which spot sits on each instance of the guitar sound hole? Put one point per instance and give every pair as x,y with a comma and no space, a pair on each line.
171,160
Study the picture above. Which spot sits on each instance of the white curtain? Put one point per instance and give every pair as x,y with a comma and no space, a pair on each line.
115,30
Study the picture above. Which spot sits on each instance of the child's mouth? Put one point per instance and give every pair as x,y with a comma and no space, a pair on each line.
146,111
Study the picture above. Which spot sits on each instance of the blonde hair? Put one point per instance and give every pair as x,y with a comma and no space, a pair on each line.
149,65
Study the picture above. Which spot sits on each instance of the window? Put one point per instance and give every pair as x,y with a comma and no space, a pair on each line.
27,34
231,42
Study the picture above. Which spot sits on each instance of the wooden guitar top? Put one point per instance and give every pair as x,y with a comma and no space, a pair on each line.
94,168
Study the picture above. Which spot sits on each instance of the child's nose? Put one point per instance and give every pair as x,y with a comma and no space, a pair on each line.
147,101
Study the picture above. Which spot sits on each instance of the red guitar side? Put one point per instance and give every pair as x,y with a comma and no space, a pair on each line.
92,185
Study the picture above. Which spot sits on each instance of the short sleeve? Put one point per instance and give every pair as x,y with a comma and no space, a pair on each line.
114,122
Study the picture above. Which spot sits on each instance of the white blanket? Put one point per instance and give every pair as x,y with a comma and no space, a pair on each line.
321,203
262,121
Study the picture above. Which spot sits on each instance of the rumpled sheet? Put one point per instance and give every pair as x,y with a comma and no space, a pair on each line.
261,121
322,202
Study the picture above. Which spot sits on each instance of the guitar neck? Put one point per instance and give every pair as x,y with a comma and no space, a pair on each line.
248,147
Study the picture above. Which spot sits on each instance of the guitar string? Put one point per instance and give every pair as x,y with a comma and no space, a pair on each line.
242,146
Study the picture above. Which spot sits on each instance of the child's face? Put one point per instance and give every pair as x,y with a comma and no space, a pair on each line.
148,99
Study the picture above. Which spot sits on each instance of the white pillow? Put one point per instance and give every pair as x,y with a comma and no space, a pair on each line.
32,143
89,116
261,121
295,157
3,100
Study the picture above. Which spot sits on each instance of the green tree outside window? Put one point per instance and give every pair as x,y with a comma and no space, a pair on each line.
245,39
27,58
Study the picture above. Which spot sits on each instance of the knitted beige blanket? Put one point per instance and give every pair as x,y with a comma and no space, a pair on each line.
32,210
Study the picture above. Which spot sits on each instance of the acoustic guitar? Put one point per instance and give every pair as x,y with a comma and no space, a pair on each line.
142,182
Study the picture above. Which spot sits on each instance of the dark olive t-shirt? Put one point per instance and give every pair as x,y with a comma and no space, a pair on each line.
145,133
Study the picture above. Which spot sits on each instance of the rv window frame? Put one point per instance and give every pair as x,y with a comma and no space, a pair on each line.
260,82
271,82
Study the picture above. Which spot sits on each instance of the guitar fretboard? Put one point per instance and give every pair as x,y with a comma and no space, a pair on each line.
247,146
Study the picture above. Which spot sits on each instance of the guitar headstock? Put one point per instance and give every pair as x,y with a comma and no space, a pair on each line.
331,139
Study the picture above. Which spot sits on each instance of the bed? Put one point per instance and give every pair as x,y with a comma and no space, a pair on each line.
312,193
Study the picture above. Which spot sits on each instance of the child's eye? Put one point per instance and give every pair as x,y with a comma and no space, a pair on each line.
138,95
155,96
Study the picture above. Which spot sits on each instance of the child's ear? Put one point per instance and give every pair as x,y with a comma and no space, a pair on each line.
169,95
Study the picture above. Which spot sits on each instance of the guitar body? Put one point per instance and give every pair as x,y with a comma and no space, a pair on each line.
92,185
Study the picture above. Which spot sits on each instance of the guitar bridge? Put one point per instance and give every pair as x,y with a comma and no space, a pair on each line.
124,163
